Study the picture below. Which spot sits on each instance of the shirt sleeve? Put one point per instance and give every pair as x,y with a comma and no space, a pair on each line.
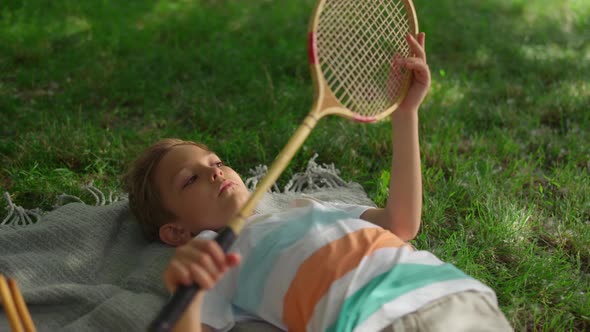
353,210
216,312
206,235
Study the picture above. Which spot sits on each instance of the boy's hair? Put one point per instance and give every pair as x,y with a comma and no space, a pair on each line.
144,195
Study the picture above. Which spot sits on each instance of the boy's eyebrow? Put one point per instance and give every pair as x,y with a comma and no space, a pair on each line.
175,174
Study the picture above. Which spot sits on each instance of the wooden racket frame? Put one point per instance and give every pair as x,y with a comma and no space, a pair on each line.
325,103
15,307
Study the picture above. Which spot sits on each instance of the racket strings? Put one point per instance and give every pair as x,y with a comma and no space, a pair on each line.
356,43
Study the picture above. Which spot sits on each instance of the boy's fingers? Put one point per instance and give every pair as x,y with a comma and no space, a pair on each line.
214,250
414,63
420,69
191,255
233,259
416,47
422,40
198,263
206,262
176,274
202,277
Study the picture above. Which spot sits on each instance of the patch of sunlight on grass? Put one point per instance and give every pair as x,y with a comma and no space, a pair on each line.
163,10
74,25
240,21
580,8
482,56
570,93
563,13
21,28
586,53
448,91
548,53
518,220
514,221
574,89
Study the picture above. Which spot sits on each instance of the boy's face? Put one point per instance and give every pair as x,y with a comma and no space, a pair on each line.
201,191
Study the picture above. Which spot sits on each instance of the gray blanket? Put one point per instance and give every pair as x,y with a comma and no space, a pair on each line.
85,268
88,268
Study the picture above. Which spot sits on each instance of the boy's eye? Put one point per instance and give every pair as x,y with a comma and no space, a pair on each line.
219,163
189,181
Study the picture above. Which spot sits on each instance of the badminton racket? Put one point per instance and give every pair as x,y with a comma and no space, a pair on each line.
351,48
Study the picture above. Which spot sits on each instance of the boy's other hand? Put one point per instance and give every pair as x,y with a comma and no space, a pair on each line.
199,261
420,73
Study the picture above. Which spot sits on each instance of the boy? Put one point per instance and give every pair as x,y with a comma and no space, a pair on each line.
317,266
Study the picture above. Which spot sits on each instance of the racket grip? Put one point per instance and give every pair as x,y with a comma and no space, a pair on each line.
184,295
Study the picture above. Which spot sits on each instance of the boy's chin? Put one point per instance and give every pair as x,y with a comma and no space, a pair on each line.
238,199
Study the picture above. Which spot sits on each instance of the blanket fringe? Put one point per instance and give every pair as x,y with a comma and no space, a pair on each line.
314,177
99,198
258,174
19,216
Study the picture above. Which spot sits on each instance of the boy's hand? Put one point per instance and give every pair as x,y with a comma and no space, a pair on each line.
420,73
199,261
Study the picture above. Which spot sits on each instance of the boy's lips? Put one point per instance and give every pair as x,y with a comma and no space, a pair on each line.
224,185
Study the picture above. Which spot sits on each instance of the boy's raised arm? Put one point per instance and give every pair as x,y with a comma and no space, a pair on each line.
402,214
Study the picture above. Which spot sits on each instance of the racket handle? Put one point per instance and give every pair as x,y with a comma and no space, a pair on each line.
184,295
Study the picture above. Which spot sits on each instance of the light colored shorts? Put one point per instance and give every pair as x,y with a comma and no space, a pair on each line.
464,311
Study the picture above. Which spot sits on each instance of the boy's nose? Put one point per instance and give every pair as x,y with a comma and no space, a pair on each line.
217,172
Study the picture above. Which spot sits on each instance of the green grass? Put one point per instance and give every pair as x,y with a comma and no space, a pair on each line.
86,85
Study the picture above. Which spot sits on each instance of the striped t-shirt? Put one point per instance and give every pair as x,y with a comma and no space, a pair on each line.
319,267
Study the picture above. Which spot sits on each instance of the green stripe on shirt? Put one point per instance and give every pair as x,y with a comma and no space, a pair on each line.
386,287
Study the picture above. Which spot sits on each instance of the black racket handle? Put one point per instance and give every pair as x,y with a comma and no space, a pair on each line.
184,295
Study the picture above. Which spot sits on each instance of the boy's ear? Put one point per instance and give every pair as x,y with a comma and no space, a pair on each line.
174,234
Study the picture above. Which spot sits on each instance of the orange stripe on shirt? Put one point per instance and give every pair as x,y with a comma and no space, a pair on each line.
328,264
